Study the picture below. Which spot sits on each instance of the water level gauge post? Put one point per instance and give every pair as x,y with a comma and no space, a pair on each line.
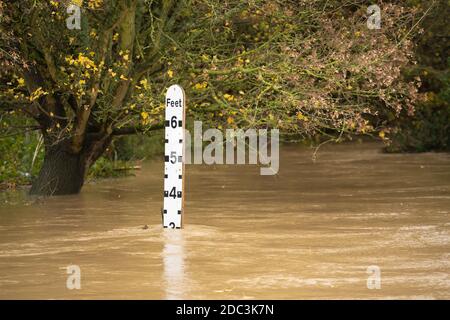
174,158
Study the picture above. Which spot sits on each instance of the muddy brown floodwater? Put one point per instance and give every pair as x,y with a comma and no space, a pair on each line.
310,232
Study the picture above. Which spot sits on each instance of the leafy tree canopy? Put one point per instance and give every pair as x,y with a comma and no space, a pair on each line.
305,67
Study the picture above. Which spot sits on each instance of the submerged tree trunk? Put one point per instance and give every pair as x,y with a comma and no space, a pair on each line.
63,171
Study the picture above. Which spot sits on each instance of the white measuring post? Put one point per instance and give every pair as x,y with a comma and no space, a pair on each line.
174,158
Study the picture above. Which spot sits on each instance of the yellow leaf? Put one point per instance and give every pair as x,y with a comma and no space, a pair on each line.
228,97
200,86
144,115
144,83
145,118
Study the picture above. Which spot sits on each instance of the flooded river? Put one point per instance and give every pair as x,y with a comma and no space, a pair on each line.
312,231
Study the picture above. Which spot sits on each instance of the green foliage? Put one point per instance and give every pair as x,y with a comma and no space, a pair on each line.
16,159
107,168
429,127
139,147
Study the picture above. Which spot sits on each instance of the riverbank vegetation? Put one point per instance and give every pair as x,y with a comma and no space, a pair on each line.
84,102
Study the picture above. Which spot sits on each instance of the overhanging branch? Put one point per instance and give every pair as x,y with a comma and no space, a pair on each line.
134,130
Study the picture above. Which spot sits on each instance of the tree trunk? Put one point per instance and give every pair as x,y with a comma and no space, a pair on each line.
64,170
61,173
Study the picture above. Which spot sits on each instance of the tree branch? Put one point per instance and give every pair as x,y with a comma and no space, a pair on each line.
133,130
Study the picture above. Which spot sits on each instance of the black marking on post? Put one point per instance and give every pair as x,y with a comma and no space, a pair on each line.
166,140
165,226
167,123
166,158
166,194
172,225
180,176
180,123
179,211
178,227
179,194
166,176
180,141
180,158
165,211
